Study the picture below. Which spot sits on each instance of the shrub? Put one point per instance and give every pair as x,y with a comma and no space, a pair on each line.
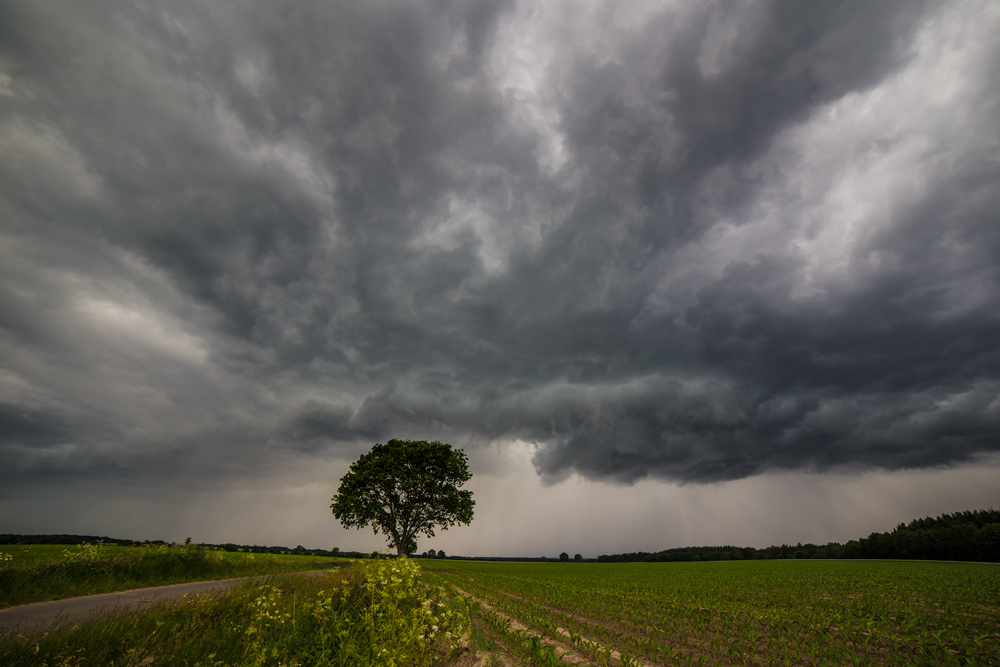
386,616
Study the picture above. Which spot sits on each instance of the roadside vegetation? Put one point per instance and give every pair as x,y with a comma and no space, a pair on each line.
378,612
789,612
36,573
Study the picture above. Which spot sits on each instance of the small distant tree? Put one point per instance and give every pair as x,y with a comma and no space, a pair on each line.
404,488
543,559
411,547
578,558
441,554
564,557
431,553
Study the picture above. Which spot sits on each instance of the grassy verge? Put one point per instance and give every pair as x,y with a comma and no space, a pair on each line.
39,573
377,613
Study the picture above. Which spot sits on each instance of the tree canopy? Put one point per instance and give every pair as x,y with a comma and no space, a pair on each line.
404,488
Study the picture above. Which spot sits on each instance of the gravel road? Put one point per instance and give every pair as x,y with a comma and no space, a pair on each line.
42,616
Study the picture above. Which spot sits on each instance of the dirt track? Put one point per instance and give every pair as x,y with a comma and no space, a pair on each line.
42,616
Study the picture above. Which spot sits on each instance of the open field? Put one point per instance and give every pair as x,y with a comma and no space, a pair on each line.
36,573
752,613
789,612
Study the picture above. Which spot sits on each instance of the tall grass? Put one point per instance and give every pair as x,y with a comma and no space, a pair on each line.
95,568
379,613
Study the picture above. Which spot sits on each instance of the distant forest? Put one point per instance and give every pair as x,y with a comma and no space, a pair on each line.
968,536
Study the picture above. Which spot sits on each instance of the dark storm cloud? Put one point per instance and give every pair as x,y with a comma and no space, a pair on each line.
698,242
21,426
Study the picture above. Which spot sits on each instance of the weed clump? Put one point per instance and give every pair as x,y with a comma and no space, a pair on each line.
386,616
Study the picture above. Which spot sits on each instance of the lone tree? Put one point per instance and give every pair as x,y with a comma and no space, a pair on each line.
404,488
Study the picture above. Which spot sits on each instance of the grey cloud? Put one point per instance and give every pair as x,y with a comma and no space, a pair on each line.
308,227
316,425
31,427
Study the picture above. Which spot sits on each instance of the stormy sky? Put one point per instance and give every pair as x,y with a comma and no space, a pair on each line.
670,272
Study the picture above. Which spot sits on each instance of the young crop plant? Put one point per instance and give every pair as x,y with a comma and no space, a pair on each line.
493,635
793,612
494,630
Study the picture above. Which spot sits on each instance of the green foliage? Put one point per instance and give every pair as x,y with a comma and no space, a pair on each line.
405,488
380,613
37,573
387,616
988,541
564,557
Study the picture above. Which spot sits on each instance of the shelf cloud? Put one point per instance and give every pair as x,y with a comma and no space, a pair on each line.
687,241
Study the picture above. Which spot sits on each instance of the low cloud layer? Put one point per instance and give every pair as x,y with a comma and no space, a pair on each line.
689,241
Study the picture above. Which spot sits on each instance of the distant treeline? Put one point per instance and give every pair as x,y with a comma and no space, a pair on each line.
7,539
969,536
299,550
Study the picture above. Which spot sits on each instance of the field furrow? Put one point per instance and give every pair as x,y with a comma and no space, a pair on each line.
759,613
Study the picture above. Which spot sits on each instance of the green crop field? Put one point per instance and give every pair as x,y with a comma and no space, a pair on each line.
787,612
752,613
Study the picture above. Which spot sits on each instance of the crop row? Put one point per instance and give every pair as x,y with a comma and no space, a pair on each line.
766,613
515,632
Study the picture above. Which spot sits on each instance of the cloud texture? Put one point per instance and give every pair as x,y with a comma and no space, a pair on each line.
688,241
